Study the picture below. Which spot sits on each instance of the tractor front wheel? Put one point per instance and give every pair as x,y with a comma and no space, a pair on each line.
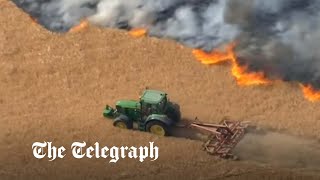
122,124
157,128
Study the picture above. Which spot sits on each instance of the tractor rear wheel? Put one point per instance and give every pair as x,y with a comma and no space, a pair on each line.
157,128
122,124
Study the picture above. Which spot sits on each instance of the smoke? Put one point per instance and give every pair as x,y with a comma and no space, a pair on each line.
279,37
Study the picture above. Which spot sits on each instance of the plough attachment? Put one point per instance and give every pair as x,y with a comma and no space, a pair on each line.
223,137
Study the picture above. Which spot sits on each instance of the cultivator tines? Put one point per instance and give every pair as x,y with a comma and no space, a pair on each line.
223,137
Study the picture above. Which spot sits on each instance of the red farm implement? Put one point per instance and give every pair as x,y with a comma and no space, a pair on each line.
223,137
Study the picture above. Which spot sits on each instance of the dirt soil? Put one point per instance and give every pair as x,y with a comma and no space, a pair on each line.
53,87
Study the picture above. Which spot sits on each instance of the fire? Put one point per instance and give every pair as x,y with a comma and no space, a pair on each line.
310,93
84,24
34,20
138,32
214,57
241,73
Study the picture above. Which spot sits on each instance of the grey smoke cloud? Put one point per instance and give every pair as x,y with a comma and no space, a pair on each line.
279,37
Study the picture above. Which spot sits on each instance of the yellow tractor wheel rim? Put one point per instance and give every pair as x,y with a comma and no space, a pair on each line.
158,130
121,125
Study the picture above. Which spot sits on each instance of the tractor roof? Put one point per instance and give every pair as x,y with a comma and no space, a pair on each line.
152,96
127,104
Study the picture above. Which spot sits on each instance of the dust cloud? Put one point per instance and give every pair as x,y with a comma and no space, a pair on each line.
279,150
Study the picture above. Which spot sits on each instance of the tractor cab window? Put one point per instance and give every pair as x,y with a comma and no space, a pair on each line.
163,103
146,108
154,108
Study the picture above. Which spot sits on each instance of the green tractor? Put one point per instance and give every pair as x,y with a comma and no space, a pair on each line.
152,113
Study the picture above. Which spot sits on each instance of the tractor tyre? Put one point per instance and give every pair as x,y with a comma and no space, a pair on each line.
157,128
120,123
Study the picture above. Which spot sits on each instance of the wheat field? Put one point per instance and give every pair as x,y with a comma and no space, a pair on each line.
53,87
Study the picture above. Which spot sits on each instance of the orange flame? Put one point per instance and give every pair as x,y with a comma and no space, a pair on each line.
310,93
138,32
214,57
34,20
241,73
84,24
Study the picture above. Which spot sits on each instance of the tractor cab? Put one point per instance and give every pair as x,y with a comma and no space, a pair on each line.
153,102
